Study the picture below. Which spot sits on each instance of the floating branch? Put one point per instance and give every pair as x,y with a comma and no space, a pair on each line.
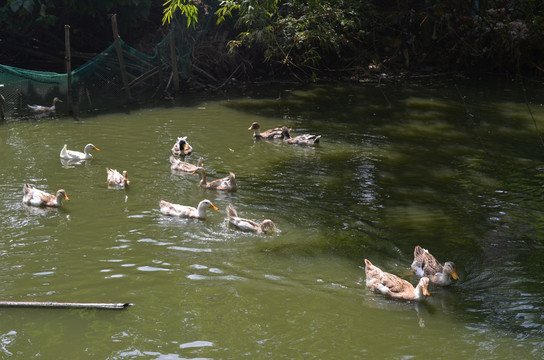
64,305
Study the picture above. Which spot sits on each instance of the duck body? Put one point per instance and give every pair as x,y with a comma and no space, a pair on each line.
275,133
182,147
66,154
227,183
171,209
35,197
391,285
40,109
425,264
266,226
115,178
179,165
304,139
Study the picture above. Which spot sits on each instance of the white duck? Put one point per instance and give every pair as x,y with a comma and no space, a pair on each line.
425,264
40,109
179,165
266,226
184,211
35,197
227,183
77,155
182,147
115,178
391,285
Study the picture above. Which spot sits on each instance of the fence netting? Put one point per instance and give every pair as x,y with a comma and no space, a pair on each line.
98,84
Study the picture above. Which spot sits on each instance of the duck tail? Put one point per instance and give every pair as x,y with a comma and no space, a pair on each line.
231,212
418,251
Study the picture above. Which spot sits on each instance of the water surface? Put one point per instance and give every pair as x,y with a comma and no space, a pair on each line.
455,167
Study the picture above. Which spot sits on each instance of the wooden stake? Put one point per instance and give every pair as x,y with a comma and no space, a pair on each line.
64,305
68,59
120,55
2,100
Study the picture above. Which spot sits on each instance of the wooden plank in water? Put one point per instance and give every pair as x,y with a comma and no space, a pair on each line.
64,305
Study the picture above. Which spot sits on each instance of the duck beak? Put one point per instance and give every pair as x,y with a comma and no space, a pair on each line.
454,274
66,197
95,148
212,206
185,147
426,291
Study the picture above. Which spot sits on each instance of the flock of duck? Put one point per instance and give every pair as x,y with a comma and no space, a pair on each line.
181,148
424,264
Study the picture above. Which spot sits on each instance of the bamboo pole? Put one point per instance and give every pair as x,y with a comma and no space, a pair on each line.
120,55
64,305
159,65
174,59
68,59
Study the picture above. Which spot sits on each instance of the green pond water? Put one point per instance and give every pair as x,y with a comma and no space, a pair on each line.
454,166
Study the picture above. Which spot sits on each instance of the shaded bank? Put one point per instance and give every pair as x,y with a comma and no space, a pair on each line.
299,41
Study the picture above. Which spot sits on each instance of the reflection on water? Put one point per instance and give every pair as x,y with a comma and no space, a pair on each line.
397,166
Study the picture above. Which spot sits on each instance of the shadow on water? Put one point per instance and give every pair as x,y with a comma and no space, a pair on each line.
448,169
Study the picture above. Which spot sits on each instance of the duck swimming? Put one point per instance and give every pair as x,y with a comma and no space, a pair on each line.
35,197
275,133
40,109
182,147
391,285
227,183
266,226
304,139
184,211
425,264
178,165
117,179
77,155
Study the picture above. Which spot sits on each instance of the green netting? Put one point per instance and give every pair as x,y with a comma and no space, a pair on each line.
98,84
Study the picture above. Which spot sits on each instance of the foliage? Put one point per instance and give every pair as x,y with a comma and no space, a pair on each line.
297,35
187,8
308,38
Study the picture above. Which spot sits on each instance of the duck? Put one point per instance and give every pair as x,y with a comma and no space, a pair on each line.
35,197
266,226
393,286
115,178
168,208
304,139
77,155
39,109
275,133
227,183
425,264
182,147
178,165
